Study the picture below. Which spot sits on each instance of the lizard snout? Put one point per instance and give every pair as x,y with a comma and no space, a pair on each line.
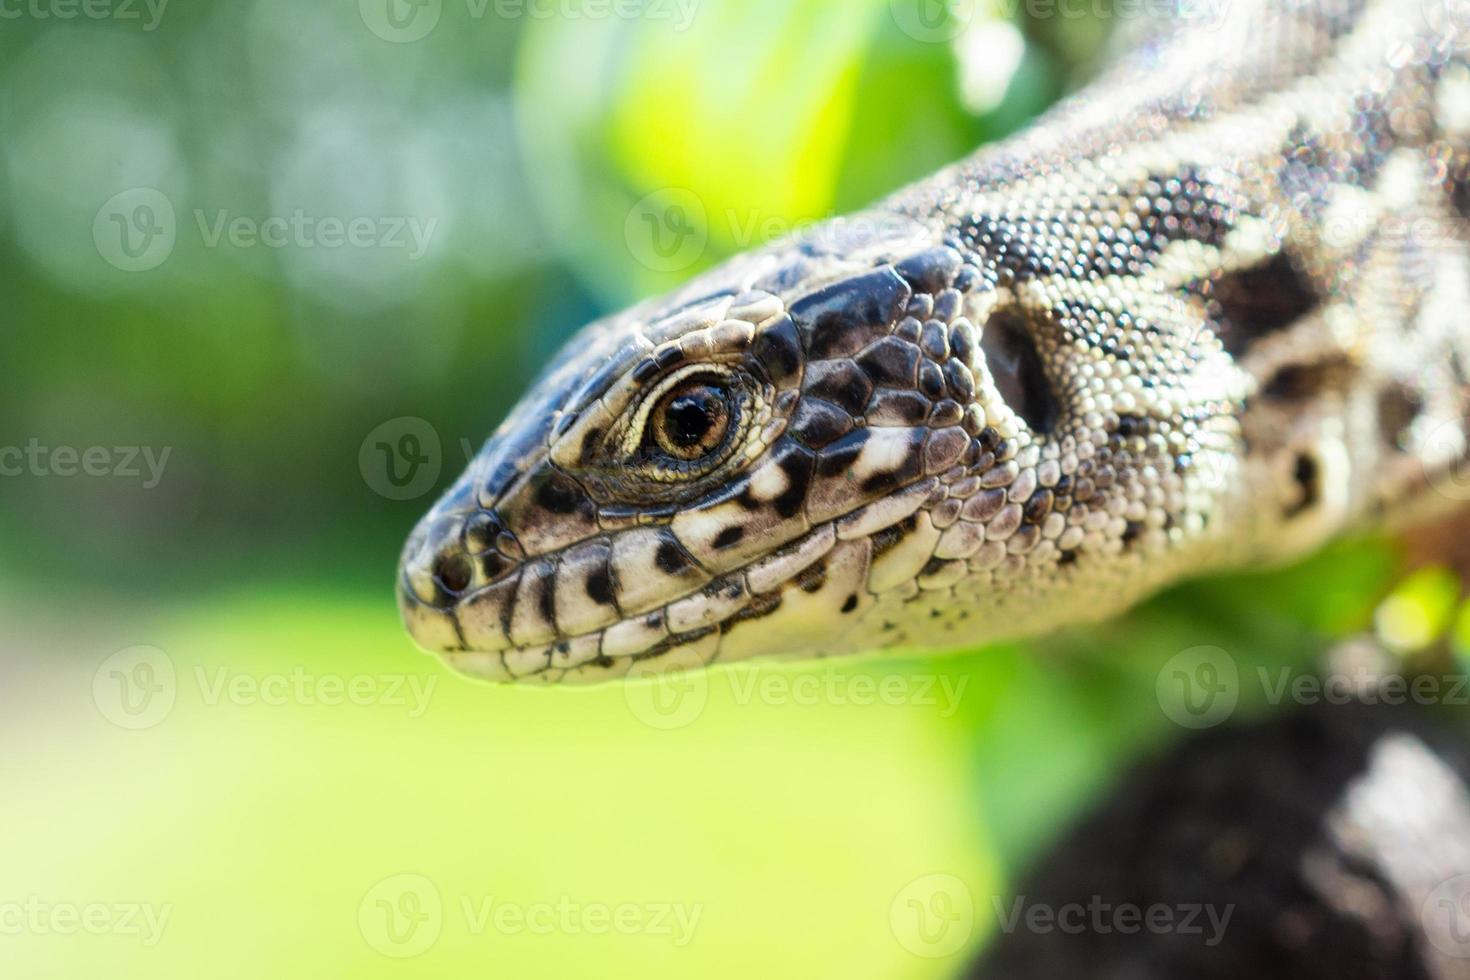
448,557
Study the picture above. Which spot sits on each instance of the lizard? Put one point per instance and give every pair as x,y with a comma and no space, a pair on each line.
1208,313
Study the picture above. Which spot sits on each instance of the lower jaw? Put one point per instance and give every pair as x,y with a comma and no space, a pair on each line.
803,616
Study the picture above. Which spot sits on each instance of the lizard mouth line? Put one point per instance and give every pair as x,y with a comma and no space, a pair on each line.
690,625
828,566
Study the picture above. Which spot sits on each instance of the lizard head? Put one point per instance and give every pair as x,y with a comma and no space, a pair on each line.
853,441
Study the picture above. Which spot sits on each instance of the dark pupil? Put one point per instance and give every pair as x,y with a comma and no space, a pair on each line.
691,416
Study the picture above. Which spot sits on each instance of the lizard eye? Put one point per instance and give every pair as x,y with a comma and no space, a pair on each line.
691,421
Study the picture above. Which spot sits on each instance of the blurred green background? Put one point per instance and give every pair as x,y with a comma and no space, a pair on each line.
246,244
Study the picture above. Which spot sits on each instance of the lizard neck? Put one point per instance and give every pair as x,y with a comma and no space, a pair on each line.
1282,193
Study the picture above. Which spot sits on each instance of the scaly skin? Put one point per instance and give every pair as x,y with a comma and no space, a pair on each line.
1209,313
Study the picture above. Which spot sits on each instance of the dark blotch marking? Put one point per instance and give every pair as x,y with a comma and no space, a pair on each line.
546,597
1132,425
1256,302
1307,475
850,604
779,348
1132,533
600,587
891,361
885,539
760,607
880,484
729,537
1019,374
561,495
841,318
812,579
798,465
841,383
839,457
670,558
591,440
933,566
819,423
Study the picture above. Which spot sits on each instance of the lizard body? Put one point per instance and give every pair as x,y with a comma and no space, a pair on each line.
1211,312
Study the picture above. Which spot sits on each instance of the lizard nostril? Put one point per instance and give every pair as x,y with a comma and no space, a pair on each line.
453,572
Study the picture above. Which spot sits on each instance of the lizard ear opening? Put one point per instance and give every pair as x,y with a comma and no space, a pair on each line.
1252,303
1019,374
